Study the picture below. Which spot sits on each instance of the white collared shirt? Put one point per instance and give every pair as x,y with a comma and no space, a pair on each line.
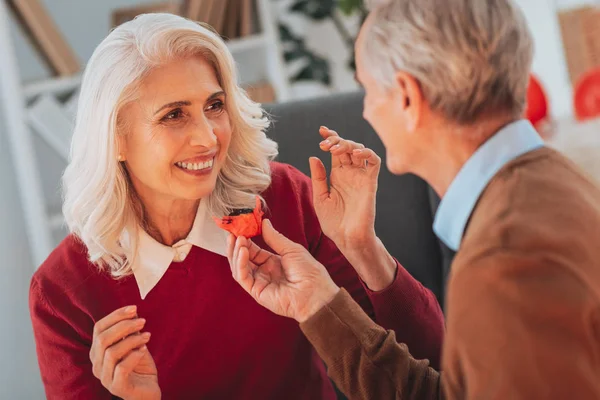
153,258
457,205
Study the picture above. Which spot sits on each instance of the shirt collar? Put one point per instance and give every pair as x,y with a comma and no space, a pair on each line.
459,201
152,258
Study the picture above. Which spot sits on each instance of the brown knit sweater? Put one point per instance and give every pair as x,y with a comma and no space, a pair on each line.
523,301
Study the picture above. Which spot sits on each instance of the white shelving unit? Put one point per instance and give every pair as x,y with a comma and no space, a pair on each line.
38,110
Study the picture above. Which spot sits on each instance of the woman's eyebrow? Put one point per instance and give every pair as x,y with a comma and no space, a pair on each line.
174,104
188,103
216,95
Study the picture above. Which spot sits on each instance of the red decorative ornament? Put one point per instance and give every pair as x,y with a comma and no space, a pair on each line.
245,222
587,95
537,102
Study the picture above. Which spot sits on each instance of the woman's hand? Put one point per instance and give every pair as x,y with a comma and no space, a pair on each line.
346,207
290,283
120,357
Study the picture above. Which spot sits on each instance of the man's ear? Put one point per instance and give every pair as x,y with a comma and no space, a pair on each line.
409,98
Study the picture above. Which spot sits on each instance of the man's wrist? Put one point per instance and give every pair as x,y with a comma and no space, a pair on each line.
374,264
319,299
360,248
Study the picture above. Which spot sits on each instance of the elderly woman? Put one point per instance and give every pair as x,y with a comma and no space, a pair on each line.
164,140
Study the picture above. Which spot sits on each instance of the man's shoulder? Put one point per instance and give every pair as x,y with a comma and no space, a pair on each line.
538,202
536,184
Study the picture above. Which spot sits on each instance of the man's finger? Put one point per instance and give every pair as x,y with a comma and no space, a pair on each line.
244,273
345,146
368,155
318,177
331,141
328,144
239,243
344,159
326,133
230,247
341,150
358,162
257,255
275,240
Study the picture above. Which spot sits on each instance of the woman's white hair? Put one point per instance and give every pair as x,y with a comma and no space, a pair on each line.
100,205
470,56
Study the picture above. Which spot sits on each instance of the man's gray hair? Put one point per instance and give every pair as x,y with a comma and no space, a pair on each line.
470,56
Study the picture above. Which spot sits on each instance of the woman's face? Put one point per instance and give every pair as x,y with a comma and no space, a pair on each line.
175,136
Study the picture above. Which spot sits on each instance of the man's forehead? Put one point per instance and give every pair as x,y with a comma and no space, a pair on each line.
358,46
361,34
361,31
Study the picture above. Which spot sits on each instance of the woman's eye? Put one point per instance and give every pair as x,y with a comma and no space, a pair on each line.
173,115
217,106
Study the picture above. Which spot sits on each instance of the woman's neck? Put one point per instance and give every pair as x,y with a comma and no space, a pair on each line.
168,221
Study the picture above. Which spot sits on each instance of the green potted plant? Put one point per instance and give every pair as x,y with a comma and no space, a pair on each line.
316,67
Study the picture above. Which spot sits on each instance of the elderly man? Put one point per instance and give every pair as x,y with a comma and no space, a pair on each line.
445,84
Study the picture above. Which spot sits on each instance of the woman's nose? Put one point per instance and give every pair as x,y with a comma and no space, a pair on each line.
202,133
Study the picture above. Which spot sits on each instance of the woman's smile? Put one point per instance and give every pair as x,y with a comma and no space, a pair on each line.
197,166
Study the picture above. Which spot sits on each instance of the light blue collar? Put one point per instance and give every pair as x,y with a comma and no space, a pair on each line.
457,205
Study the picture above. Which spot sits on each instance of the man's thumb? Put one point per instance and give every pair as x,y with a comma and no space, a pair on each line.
318,176
275,240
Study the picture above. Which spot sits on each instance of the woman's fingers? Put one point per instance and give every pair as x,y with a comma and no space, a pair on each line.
114,317
117,352
120,330
96,352
109,337
124,368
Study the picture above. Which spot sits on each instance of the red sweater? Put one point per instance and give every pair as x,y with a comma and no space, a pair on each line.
210,339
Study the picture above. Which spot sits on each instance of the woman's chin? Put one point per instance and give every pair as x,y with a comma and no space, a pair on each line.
196,189
194,194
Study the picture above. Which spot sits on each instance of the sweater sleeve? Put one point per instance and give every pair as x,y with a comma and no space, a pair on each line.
521,326
363,359
63,355
406,307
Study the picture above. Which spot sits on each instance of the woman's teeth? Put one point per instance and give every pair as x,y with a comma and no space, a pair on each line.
195,166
